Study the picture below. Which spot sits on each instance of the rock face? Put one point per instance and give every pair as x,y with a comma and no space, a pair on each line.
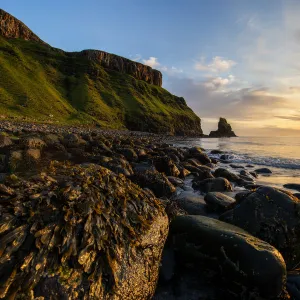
124,65
207,243
83,233
273,216
10,27
224,130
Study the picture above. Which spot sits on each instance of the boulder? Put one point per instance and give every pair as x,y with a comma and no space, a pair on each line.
292,186
213,185
219,202
197,153
273,216
192,203
209,244
129,154
80,233
221,172
155,181
263,171
164,164
5,141
224,130
32,143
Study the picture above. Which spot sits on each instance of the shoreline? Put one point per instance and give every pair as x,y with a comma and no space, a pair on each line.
152,183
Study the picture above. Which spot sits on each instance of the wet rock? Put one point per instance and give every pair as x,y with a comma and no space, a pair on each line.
155,181
72,140
263,171
5,141
236,166
192,203
143,167
208,244
216,151
129,154
239,197
219,202
51,139
213,185
166,165
297,195
80,233
292,186
273,216
221,172
32,143
293,284
32,156
176,181
15,160
196,152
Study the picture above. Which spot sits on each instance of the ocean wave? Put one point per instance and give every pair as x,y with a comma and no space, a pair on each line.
276,162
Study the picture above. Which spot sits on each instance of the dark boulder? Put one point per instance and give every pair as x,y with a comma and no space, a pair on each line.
192,203
5,141
213,185
219,202
155,181
273,216
209,244
221,172
197,153
165,164
292,186
263,171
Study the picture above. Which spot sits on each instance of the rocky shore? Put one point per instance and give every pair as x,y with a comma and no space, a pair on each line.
93,214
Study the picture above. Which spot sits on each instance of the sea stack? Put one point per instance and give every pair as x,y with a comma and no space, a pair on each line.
224,130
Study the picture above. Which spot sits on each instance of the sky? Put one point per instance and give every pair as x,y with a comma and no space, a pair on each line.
236,59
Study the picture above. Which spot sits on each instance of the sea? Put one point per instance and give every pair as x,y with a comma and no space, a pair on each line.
280,154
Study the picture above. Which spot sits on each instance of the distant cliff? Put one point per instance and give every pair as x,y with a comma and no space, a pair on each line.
10,27
39,82
224,130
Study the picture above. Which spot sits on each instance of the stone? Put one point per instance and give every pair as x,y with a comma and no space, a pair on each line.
5,141
176,181
297,195
164,164
273,216
219,202
263,171
32,155
224,130
213,185
32,143
192,203
292,186
102,241
129,154
221,172
15,160
209,244
197,153
155,181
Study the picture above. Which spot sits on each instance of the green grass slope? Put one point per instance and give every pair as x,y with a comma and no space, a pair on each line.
47,84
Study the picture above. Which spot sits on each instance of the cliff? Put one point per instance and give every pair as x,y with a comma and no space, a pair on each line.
10,27
224,130
42,83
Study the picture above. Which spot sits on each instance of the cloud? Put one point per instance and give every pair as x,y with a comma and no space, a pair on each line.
245,107
293,117
219,82
151,62
218,65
